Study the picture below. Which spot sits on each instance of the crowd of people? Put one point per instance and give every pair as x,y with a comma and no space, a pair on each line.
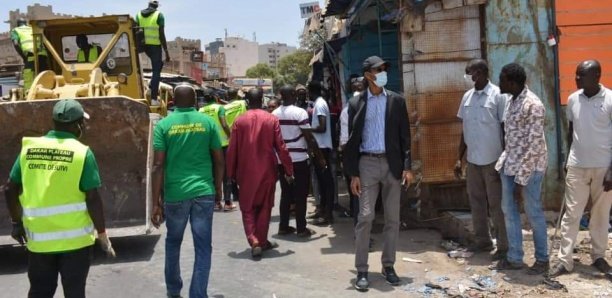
224,153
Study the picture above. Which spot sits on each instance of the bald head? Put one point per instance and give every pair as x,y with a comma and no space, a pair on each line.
184,96
288,95
588,74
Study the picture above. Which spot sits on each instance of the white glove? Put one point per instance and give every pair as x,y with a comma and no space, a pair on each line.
106,245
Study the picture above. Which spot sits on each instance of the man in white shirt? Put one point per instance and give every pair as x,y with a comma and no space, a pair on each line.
321,130
589,168
293,120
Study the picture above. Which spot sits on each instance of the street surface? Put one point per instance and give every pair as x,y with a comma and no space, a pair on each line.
318,267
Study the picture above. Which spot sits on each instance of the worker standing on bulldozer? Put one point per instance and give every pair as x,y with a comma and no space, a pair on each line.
23,41
153,22
54,204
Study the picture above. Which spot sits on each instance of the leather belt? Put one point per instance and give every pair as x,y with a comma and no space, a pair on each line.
376,155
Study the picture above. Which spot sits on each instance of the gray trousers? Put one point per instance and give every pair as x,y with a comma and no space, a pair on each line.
374,174
485,193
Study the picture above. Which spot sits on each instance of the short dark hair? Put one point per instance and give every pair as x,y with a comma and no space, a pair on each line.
480,65
315,87
515,73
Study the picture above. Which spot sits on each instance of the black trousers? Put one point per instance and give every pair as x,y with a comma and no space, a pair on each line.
295,193
229,188
326,186
72,266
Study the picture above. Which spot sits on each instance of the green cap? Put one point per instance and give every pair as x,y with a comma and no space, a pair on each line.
68,110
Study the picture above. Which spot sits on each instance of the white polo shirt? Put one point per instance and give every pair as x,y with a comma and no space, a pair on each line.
592,121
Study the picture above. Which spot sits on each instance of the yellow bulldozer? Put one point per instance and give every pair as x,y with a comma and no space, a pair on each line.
112,90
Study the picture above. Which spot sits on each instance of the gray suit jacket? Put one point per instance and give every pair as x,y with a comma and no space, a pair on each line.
397,134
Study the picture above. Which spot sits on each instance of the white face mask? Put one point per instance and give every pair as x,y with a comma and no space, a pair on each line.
381,79
468,80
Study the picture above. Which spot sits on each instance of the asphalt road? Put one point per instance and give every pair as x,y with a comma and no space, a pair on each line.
322,266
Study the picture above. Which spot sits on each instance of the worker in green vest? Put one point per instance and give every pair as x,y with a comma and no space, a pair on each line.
52,197
23,42
87,52
217,112
236,106
153,22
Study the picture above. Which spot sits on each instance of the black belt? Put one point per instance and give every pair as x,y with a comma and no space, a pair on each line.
377,155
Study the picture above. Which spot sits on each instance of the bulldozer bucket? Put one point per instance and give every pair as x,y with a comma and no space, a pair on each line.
117,133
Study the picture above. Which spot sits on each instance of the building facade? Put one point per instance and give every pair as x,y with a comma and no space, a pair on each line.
240,55
271,53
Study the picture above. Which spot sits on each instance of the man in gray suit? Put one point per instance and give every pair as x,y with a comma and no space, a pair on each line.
377,160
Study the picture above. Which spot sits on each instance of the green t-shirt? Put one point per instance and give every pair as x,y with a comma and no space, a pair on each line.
90,178
187,137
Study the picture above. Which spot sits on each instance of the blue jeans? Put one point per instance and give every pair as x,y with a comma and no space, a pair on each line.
533,208
199,212
155,54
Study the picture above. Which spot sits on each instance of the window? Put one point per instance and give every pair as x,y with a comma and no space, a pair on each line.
70,49
119,59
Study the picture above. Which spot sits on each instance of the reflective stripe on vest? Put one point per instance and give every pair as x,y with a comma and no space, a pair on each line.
233,110
54,208
212,110
151,28
93,55
26,40
63,235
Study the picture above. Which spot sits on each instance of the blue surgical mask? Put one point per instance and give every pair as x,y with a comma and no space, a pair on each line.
381,79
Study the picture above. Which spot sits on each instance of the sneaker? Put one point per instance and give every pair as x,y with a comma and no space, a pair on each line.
499,255
286,231
557,270
539,267
504,264
362,283
306,233
175,296
218,206
229,207
390,276
601,265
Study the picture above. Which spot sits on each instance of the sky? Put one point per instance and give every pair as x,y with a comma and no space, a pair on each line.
272,20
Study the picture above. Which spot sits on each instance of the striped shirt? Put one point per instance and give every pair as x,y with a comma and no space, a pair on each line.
374,126
292,119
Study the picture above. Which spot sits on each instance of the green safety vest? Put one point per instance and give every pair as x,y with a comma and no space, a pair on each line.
93,55
151,28
55,214
26,40
233,110
212,110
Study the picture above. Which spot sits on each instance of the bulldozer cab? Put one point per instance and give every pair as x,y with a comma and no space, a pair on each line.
96,51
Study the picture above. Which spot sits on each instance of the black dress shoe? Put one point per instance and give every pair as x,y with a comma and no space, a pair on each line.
362,283
390,276
321,222
286,231
601,265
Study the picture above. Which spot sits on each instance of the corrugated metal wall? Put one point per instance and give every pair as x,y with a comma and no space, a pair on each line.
516,31
434,61
586,33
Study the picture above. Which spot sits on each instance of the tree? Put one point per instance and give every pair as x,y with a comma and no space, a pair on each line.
261,71
294,69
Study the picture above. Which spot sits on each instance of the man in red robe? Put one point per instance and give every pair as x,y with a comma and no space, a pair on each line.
251,162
